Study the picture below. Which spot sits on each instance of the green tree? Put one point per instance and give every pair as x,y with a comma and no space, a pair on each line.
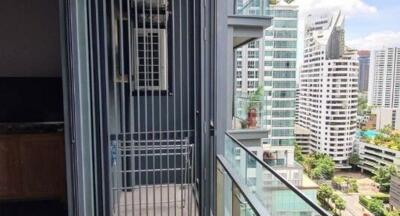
354,160
362,107
340,204
298,156
376,207
319,166
256,98
353,187
387,130
383,175
324,194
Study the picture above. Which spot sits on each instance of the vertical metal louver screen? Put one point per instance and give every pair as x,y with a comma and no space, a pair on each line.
145,84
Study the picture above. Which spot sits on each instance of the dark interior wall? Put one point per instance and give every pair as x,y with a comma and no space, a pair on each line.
31,100
29,39
30,65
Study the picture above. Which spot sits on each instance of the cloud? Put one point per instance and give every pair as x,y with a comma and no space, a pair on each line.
349,7
376,40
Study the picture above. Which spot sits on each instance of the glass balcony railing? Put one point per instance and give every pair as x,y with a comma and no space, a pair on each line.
248,186
251,7
248,112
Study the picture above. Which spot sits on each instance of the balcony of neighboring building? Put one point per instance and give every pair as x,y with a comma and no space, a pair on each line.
248,185
248,19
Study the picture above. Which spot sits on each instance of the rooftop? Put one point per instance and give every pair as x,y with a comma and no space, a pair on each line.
389,140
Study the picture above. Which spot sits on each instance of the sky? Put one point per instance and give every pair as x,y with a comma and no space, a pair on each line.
369,24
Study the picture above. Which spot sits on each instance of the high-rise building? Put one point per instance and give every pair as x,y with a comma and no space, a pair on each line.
363,75
148,92
328,88
384,80
270,63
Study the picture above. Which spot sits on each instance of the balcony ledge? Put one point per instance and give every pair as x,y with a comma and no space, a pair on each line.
250,137
247,28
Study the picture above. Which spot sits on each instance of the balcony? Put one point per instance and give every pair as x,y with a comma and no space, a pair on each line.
248,19
248,124
244,188
248,111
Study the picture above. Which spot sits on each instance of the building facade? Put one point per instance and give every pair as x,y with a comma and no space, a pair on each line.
328,88
303,138
270,63
374,156
147,102
394,195
387,117
384,80
363,76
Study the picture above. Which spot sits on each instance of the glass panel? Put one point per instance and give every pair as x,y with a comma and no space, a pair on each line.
251,7
275,196
249,108
230,200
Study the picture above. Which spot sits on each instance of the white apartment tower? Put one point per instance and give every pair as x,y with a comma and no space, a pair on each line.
328,88
384,79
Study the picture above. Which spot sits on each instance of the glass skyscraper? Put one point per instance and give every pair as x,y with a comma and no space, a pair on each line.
270,63
280,44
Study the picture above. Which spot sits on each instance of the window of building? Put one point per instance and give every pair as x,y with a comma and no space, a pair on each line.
285,23
239,53
268,43
267,83
285,34
238,74
253,44
267,63
285,54
267,73
282,132
283,104
252,74
284,74
282,123
253,54
283,113
284,84
285,44
252,84
286,142
252,64
238,64
284,13
284,94
284,64
268,53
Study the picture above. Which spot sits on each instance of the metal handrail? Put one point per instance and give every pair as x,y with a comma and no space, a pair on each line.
282,179
246,194
244,6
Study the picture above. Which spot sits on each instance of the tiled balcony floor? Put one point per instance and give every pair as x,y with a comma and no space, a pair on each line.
155,201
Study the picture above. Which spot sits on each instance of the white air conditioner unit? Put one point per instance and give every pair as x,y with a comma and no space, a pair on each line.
150,53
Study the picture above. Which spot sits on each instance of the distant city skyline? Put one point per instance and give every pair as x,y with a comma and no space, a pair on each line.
369,24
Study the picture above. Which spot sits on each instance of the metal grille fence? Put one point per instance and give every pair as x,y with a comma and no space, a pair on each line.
145,88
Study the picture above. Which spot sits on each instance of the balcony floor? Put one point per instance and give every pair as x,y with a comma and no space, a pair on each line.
155,200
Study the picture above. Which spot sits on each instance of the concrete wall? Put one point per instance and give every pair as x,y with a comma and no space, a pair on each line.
384,116
394,199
